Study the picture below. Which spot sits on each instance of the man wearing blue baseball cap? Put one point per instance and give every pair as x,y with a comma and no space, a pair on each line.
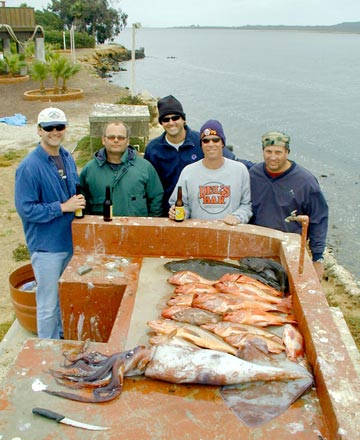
45,198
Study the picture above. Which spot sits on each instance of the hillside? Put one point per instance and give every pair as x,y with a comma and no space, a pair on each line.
348,27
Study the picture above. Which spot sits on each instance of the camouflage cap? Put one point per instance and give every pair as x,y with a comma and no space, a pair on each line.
275,138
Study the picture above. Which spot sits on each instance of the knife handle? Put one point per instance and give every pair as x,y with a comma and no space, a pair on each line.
48,414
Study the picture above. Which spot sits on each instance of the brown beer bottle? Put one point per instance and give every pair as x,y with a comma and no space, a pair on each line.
108,206
79,213
179,206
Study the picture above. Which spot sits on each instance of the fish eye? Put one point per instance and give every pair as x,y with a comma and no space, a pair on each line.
129,353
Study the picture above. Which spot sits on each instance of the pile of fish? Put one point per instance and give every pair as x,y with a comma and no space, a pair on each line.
230,315
265,270
230,332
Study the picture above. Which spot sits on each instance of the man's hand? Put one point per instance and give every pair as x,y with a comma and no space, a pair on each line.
74,203
172,212
231,220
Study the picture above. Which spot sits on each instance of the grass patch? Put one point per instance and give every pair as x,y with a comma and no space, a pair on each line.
11,157
21,253
4,327
84,151
136,100
6,232
353,323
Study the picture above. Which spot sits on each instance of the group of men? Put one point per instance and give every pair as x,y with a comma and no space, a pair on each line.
215,186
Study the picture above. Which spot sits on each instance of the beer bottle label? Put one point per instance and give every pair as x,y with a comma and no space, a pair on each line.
111,211
179,213
79,213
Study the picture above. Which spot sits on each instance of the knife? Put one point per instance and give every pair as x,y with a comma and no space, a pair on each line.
59,418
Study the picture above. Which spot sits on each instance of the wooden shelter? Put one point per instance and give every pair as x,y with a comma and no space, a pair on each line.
18,24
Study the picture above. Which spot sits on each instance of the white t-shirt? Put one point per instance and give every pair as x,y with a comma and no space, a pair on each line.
213,194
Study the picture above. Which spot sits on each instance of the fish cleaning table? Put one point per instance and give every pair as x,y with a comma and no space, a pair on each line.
129,254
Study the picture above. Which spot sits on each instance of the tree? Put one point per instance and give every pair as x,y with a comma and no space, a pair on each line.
39,72
95,17
69,71
49,20
14,63
57,65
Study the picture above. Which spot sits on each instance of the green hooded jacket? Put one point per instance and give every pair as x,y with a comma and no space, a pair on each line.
136,190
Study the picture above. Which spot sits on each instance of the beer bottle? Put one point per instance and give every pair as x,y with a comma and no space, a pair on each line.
108,206
179,206
79,213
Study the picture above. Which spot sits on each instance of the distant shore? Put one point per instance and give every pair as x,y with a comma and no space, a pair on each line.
352,28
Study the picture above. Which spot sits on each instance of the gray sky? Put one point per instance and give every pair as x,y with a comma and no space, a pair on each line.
167,13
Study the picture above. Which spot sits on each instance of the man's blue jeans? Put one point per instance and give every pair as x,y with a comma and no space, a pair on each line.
48,268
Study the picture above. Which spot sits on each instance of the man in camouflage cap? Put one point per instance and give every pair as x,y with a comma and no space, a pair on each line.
275,138
280,186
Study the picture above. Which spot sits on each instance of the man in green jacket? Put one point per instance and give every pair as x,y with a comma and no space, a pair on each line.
136,189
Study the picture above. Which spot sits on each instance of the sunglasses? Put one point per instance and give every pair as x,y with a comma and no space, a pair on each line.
112,137
171,118
49,128
216,140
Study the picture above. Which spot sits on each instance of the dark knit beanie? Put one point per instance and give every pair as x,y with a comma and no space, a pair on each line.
213,127
170,106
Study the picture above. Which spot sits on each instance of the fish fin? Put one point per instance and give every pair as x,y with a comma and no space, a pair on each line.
273,398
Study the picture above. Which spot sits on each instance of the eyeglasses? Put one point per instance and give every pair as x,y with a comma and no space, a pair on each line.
171,118
49,128
112,137
216,140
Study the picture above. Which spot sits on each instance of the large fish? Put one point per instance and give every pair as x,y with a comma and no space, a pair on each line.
226,302
249,290
192,315
267,268
257,317
214,269
293,342
187,277
185,299
177,364
263,343
197,335
195,288
243,279
228,328
170,339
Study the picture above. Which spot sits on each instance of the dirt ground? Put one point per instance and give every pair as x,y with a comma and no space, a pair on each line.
340,288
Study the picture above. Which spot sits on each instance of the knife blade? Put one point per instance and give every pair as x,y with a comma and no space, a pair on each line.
59,418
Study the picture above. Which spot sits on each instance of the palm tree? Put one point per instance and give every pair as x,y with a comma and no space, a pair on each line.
39,72
15,62
69,71
3,66
57,66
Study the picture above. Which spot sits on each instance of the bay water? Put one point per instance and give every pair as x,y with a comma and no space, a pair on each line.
306,84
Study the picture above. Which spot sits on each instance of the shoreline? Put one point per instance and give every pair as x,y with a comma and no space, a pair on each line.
78,114
339,283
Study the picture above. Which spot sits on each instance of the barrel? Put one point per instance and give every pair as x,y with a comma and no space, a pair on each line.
23,302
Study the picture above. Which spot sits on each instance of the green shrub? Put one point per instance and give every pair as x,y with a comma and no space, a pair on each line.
85,150
136,100
82,39
11,157
21,253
